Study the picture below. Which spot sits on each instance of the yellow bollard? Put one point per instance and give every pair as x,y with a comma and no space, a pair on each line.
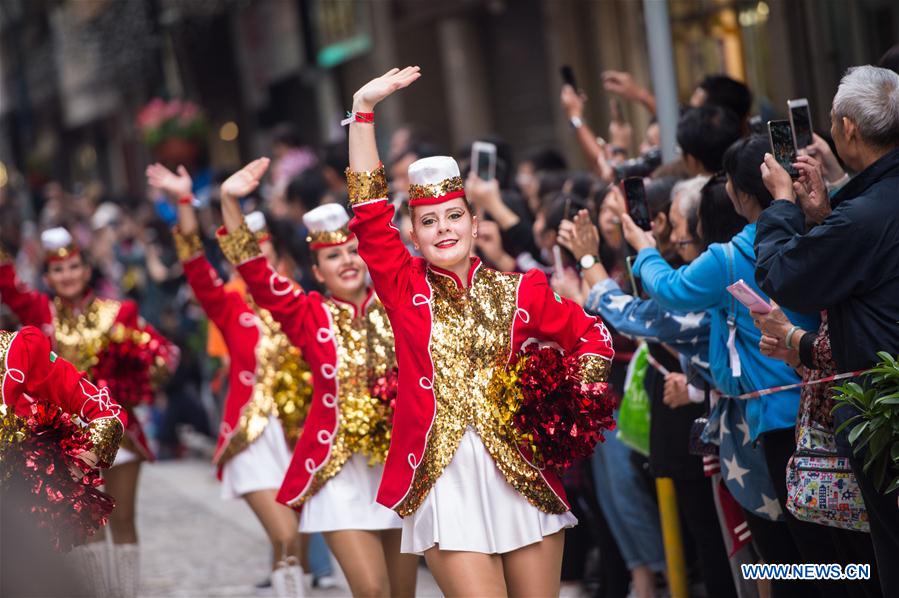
671,536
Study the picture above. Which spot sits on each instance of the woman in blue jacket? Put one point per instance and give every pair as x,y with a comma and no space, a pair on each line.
734,358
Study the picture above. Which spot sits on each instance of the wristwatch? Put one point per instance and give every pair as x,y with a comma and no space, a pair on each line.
576,122
588,261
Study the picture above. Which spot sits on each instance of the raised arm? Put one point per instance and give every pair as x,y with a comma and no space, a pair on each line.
221,306
380,245
30,306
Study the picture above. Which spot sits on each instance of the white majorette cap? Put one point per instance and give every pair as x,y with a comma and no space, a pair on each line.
327,226
58,244
434,180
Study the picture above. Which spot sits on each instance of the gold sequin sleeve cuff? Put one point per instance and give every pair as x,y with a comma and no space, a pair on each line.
187,246
239,246
594,369
366,186
106,434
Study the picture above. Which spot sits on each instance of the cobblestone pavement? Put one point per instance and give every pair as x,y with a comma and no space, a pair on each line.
194,544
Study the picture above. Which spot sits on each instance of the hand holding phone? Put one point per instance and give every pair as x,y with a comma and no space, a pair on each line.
637,204
780,133
749,298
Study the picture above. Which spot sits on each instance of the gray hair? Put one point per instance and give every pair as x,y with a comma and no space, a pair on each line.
689,194
869,97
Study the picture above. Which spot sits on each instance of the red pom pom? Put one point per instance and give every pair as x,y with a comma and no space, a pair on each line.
124,367
559,419
65,500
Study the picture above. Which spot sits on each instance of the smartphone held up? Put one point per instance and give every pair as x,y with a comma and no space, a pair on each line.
780,134
483,160
637,204
801,122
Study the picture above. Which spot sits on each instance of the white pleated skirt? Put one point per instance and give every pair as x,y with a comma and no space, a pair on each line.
125,456
473,508
260,466
347,501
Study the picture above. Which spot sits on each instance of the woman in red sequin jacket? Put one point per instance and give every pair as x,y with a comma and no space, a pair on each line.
456,323
107,339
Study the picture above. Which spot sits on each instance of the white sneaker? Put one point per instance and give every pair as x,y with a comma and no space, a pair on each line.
325,582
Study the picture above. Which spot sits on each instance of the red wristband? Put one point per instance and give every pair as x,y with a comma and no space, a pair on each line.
365,117
186,200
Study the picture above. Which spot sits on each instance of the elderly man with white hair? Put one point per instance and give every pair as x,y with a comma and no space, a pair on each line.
848,263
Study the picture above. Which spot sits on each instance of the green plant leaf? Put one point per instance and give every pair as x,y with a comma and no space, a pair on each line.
893,485
857,431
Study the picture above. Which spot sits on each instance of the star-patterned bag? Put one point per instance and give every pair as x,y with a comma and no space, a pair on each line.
821,487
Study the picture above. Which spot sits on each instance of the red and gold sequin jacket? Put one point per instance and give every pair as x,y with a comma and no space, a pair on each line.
82,332
266,375
449,342
346,351
30,372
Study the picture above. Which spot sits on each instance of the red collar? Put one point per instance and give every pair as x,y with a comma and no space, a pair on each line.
473,268
370,295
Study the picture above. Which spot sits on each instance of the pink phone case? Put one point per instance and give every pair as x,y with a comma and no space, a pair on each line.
745,295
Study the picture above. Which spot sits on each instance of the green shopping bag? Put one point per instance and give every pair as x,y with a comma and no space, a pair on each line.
633,415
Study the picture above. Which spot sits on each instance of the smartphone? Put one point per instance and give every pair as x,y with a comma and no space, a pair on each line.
568,75
781,135
637,204
745,295
801,121
483,160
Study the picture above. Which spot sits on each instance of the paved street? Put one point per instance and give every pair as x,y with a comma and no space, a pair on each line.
195,544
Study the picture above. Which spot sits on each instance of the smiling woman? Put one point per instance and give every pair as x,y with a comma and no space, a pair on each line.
348,342
457,325
443,231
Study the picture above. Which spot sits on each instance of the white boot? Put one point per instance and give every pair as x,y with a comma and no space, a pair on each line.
287,579
127,570
279,580
91,564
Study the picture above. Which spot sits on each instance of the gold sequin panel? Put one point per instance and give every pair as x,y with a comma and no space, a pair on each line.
13,431
366,186
364,352
594,368
106,435
470,338
329,237
6,339
80,338
239,246
437,189
187,246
